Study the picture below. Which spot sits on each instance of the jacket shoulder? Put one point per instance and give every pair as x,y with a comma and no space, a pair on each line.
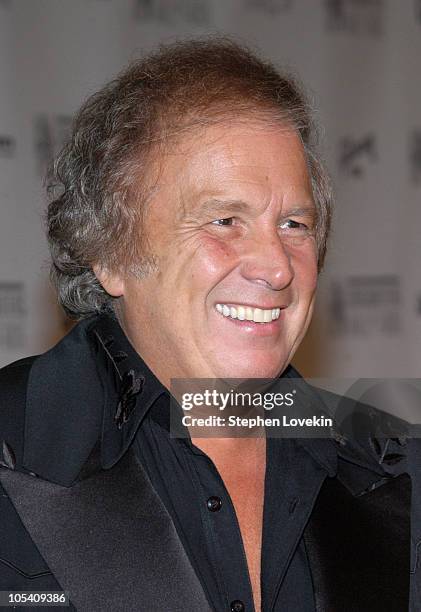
13,387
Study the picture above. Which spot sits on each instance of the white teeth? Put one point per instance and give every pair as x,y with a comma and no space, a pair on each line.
267,316
242,313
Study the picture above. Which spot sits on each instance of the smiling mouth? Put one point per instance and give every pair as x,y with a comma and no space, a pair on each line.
248,313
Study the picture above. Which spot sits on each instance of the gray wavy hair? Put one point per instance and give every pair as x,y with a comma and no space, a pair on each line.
99,183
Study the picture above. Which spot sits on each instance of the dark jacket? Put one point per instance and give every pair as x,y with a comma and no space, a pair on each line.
79,514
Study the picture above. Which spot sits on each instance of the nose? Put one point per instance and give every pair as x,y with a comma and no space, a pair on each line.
266,260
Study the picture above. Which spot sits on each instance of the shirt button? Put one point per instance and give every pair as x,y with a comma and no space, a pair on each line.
237,606
214,503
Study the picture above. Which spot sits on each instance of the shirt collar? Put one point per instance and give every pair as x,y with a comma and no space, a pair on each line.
134,389
361,461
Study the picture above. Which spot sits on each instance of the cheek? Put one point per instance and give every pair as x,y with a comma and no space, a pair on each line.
310,275
212,258
304,262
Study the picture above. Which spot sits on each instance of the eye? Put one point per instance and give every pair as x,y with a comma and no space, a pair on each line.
291,224
223,222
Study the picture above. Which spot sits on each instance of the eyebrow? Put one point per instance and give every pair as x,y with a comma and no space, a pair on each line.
304,210
214,205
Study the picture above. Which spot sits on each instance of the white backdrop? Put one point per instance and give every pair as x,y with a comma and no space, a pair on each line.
359,58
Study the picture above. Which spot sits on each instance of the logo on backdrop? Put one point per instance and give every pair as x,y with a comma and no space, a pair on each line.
365,305
50,133
355,16
7,146
169,11
357,154
272,7
415,156
12,315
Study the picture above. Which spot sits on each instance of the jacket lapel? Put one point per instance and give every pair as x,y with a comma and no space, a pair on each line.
359,547
108,540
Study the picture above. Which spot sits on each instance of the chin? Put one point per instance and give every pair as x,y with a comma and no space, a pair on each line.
253,370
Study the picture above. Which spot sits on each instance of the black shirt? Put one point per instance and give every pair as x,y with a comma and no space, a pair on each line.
194,495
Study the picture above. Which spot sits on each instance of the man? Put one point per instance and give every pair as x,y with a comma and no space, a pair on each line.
187,226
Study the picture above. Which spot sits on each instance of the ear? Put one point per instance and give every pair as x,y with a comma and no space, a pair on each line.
112,282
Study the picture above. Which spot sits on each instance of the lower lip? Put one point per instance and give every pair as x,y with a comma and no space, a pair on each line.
256,329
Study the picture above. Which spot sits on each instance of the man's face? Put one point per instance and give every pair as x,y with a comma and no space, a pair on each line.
231,225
